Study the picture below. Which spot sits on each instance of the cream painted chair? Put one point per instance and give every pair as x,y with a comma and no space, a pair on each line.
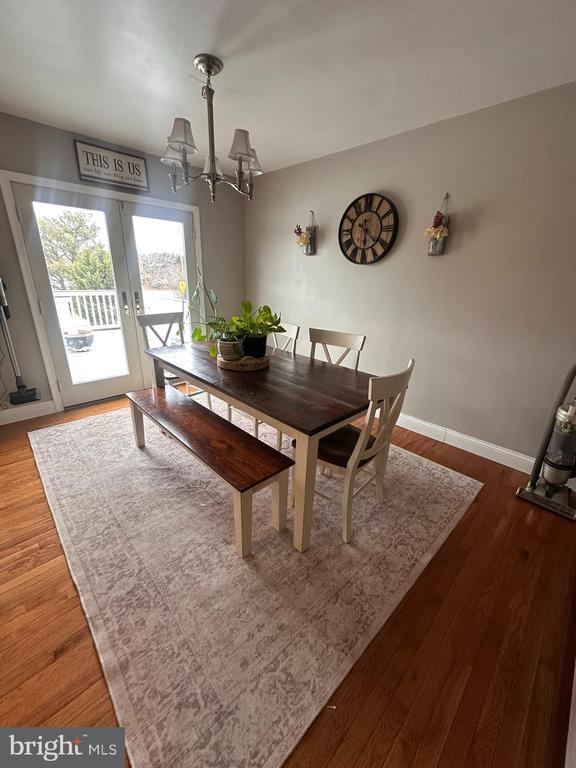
349,342
287,343
350,450
152,322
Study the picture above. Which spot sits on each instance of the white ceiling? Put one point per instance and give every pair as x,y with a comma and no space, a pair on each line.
306,77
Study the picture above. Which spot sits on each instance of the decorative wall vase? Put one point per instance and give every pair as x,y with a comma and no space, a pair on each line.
310,247
438,232
306,239
436,244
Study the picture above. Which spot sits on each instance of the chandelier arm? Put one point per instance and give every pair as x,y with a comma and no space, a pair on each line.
246,192
185,182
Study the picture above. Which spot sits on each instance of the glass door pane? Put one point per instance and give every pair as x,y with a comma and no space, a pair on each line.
78,262
161,254
76,249
161,260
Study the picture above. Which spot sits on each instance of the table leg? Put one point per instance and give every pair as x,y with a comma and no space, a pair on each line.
138,424
280,501
158,374
304,482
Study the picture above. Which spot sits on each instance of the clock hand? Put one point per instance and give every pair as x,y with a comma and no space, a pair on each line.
365,232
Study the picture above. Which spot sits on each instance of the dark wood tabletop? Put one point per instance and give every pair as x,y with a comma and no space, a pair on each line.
307,395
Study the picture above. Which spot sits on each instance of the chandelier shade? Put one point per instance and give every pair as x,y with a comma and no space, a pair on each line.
253,164
181,137
181,146
240,149
176,156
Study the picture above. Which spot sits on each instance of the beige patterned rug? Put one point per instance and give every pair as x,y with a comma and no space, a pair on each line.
214,661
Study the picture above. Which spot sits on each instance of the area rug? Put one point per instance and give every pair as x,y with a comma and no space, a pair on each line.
213,661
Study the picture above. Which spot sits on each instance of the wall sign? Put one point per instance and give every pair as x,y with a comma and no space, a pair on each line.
103,165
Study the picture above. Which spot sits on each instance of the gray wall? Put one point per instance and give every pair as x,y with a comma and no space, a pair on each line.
492,323
32,148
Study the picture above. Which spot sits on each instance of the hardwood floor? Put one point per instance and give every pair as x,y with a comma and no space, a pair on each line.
474,668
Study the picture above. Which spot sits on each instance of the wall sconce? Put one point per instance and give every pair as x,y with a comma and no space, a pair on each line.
306,239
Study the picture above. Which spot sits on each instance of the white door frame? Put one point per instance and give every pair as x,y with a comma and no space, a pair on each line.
7,178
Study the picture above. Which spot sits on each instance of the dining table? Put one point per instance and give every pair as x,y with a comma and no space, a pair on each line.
304,398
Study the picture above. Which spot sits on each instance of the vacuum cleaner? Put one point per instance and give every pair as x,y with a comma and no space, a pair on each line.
555,463
24,394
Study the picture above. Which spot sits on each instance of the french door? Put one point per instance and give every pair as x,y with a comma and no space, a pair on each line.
96,264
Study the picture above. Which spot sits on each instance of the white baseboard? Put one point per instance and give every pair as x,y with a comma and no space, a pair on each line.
29,411
471,444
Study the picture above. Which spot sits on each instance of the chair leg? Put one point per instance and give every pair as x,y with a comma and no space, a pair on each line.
209,399
138,424
256,425
243,522
293,493
379,467
229,412
280,501
278,440
347,505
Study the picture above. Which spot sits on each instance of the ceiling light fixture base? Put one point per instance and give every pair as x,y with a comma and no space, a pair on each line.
208,64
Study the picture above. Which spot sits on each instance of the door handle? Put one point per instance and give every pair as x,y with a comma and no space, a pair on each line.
125,303
137,301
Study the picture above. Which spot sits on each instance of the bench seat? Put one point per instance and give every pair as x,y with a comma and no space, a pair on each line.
242,461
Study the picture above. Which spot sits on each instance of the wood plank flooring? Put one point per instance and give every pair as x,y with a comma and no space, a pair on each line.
474,668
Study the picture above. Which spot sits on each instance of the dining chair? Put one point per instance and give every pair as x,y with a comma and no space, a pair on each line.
151,322
350,450
349,342
285,341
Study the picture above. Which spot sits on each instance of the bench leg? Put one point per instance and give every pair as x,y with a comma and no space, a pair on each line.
280,501
138,424
243,522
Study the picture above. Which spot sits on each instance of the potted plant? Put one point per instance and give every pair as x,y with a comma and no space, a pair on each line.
226,337
254,326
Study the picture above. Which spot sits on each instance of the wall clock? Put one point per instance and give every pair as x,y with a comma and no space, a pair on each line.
368,228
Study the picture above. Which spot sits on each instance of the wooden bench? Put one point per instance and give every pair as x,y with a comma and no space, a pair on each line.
242,461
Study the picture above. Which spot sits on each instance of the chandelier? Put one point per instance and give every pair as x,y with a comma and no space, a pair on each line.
181,147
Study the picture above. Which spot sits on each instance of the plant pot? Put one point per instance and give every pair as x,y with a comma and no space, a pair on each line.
230,349
255,346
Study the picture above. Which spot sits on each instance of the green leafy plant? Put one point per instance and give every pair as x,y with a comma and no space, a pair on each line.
212,327
258,322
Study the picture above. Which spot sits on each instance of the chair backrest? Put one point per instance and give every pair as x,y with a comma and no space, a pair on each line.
149,322
287,340
386,395
350,342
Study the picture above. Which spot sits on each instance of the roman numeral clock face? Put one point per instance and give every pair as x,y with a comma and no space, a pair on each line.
368,229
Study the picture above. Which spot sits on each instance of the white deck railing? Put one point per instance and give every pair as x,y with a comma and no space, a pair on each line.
98,308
